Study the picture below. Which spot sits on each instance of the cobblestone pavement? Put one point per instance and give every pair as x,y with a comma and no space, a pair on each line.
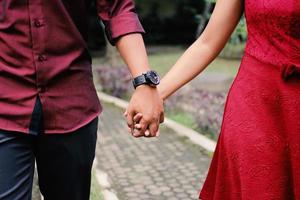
167,168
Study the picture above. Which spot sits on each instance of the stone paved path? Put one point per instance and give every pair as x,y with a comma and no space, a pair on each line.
168,168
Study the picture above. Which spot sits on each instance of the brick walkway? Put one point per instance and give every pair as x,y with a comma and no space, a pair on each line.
167,168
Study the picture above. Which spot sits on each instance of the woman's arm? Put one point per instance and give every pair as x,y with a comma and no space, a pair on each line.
205,49
123,29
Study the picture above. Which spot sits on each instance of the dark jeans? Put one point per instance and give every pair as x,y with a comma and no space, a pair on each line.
64,164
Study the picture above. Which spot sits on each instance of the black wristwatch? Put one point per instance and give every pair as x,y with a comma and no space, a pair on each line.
150,78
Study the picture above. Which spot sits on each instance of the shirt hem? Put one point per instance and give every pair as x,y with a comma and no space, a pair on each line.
15,130
53,132
87,121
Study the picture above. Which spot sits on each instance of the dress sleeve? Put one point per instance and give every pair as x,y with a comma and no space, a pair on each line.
119,17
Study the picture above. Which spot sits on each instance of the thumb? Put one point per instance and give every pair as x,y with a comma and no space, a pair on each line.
137,117
129,118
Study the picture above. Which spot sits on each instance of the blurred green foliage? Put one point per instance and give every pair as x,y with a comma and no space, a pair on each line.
171,22
240,33
166,22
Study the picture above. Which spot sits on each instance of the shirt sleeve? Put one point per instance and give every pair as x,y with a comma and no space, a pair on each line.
119,17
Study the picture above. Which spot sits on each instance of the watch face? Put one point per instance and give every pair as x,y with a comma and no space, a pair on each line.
153,77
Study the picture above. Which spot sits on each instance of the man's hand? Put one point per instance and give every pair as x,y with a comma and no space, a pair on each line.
146,99
147,103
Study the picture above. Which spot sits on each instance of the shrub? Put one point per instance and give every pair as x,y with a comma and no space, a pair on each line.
115,80
205,106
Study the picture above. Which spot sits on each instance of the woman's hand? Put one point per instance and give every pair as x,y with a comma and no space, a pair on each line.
146,109
136,127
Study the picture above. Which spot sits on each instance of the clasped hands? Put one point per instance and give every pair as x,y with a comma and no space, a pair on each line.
145,112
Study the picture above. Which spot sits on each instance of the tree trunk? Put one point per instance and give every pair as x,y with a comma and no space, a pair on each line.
204,17
112,56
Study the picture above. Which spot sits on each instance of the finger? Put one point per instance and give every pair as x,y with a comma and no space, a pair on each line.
144,125
125,113
137,133
147,133
153,128
130,122
137,117
137,127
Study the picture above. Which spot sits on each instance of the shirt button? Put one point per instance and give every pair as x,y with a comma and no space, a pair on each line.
41,89
37,23
41,58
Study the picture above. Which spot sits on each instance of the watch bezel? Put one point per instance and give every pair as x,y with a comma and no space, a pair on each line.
152,77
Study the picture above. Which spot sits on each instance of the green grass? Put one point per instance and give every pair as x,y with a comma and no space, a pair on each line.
162,62
189,121
221,65
95,190
183,118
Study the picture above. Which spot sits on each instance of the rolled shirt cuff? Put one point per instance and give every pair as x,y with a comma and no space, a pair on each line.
121,25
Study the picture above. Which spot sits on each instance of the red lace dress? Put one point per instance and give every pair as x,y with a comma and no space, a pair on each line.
258,152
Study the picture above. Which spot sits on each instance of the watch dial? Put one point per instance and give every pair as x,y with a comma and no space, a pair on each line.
153,77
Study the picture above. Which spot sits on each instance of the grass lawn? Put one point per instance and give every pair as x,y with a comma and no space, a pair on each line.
184,118
163,61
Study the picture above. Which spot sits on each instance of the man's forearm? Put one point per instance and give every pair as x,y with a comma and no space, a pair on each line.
133,52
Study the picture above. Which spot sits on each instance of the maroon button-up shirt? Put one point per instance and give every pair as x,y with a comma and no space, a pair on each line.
43,52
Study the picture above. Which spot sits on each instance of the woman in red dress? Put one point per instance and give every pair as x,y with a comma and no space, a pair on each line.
258,152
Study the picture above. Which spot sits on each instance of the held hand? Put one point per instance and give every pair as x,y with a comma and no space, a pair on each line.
137,126
146,107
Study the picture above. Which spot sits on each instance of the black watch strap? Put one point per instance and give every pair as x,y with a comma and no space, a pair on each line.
140,80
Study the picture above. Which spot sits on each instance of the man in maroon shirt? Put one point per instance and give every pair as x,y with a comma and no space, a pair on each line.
48,103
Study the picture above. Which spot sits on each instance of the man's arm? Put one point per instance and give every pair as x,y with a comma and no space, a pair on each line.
146,98
133,51
124,29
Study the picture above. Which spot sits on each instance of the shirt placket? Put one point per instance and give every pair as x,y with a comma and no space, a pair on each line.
38,34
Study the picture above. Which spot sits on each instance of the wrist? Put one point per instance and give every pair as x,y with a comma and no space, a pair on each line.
140,72
145,87
150,78
161,93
